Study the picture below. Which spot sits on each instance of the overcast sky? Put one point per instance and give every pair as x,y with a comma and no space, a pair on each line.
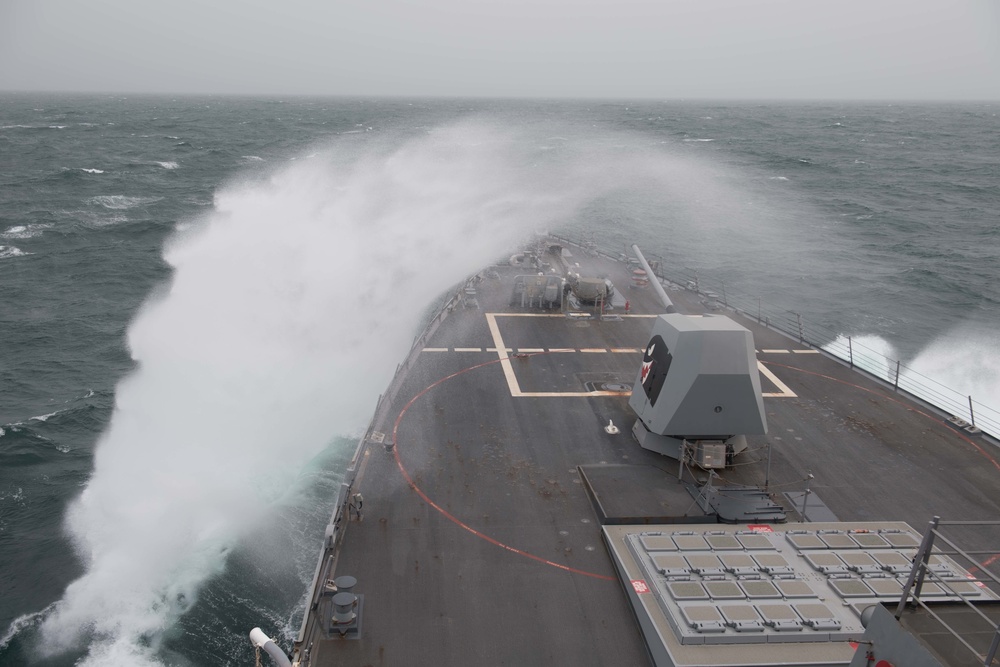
792,49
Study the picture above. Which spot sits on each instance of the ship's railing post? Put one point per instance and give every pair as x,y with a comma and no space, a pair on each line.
895,384
972,415
850,351
994,645
920,562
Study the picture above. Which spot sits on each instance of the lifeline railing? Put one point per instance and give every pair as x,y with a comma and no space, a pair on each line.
967,413
923,570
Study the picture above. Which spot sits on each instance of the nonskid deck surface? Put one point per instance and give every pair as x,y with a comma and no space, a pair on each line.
479,542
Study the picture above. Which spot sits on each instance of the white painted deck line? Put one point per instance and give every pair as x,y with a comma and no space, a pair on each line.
806,351
785,391
435,349
508,369
775,351
468,349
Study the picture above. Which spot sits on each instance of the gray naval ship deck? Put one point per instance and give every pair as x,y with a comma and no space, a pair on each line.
487,474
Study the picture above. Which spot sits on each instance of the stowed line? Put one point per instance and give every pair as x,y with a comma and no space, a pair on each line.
982,451
448,515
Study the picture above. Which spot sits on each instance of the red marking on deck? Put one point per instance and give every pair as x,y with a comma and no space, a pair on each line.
445,513
993,461
760,528
639,586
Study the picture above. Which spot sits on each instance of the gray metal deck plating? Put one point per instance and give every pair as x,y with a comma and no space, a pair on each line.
479,542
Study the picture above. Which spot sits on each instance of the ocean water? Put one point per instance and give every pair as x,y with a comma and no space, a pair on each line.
202,298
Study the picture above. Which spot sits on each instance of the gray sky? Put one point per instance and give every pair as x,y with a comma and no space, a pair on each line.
797,49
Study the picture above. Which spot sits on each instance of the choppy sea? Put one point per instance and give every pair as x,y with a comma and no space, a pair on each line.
202,297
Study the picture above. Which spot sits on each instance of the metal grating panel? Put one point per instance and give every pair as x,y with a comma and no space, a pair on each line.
704,564
805,540
724,590
723,542
838,540
751,541
738,564
817,616
900,539
687,590
886,588
703,618
868,540
826,562
742,617
657,543
757,590
893,561
966,589
851,588
690,542
795,588
781,617
773,564
861,562
670,564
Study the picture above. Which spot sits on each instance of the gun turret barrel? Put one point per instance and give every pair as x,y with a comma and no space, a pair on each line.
654,281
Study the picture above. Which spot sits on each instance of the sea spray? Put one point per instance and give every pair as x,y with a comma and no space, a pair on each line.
289,307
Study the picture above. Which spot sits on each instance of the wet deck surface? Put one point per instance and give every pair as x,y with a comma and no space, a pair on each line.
479,542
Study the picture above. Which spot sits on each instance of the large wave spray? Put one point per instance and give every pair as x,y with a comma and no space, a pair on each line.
289,307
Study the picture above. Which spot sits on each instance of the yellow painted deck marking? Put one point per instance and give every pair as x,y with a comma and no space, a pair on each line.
598,350
625,350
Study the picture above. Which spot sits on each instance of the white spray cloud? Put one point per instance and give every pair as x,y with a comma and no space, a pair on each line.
961,363
290,305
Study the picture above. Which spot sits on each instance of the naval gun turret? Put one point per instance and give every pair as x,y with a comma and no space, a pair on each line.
698,393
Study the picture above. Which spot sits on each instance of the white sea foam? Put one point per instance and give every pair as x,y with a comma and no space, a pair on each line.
778,178
252,158
7,251
168,165
25,231
99,221
92,171
964,362
24,622
2,434
45,417
699,140
58,127
289,307
121,202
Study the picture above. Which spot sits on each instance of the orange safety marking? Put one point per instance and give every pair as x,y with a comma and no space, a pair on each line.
448,515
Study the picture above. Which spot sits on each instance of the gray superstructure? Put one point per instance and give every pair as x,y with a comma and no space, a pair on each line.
495,458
